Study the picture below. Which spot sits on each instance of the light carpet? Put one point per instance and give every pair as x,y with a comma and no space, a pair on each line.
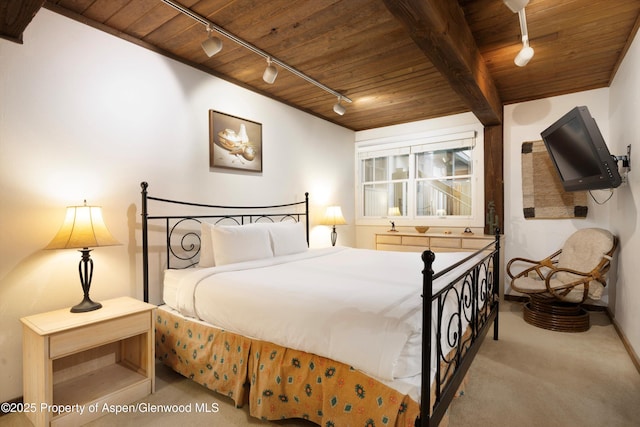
529,377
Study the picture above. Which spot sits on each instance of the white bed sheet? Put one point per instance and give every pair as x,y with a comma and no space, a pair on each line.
356,306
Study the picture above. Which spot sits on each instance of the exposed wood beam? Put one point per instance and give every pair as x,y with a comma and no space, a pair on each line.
493,176
15,15
439,28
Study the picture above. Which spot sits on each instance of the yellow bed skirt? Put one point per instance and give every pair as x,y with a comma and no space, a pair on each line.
282,383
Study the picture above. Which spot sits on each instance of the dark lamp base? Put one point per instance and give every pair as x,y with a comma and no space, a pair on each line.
86,305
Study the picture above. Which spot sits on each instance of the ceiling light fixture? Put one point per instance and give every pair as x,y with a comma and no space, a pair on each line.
526,53
524,56
516,5
273,61
338,108
211,45
270,73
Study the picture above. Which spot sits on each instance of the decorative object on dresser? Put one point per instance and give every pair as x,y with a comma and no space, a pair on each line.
74,364
421,228
83,228
333,216
560,283
332,345
394,211
234,143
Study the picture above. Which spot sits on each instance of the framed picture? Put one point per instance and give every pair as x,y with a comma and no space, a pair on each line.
234,143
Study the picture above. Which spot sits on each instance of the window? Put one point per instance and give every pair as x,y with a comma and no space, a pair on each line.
385,185
432,179
443,183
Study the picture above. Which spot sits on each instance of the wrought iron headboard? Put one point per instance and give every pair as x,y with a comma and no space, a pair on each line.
244,215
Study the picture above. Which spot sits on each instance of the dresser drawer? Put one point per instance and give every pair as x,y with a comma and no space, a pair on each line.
416,241
445,242
389,240
475,243
72,341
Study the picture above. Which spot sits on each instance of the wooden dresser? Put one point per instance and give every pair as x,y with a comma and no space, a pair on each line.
437,242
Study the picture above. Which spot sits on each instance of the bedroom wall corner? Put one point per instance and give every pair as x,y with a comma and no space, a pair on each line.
625,209
85,115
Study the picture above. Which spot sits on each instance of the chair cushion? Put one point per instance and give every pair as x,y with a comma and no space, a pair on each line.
583,251
531,285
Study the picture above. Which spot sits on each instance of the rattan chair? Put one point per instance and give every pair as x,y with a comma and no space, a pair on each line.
558,285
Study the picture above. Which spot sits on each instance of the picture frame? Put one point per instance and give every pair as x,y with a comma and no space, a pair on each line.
234,142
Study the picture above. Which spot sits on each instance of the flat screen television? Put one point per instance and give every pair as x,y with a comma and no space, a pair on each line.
580,154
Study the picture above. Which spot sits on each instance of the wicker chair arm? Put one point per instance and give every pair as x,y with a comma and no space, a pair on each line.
584,279
535,265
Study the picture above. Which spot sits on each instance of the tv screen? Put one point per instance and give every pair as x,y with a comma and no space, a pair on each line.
579,152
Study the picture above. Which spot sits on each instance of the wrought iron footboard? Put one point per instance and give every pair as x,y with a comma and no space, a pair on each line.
475,296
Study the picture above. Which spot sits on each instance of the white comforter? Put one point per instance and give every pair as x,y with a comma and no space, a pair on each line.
356,306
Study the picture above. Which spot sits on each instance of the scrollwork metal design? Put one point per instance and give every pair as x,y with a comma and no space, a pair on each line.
188,247
469,299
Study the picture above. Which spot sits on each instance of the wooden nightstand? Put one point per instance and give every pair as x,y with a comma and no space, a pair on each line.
87,360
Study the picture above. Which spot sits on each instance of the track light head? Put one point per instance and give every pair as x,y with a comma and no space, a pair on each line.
270,73
338,108
524,56
211,45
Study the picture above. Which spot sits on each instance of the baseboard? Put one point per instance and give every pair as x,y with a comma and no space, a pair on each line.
588,307
592,307
634,356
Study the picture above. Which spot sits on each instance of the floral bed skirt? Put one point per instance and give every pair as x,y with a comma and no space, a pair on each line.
278,382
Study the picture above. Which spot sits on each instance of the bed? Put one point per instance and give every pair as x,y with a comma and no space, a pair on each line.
337,336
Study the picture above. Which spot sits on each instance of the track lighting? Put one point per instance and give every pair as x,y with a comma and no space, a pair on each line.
338,108
526,53
524,56
211,45
270,73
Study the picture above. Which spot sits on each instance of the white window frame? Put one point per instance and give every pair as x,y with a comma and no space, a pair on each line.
463,136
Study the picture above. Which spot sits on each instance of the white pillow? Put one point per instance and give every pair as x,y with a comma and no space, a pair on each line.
287,238
233,244
206,246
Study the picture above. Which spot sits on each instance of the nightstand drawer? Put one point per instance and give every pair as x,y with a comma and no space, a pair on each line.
75,340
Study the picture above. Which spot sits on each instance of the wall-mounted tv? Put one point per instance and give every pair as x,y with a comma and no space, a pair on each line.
579,152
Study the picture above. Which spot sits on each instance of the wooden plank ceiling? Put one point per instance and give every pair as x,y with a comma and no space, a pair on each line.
398,60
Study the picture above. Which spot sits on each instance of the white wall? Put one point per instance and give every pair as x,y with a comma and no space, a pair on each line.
85,115
624,128
537,238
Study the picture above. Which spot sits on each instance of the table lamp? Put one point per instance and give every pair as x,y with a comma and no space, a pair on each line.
394,211
333,216
83,228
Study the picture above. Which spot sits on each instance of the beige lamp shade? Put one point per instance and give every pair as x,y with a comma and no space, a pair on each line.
83,227
333,216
